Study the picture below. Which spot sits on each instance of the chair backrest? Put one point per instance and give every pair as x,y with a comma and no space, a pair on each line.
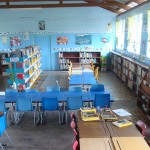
74,103
102,100
75,88
73,116
97,87
75,145
24,104
53,88
2,124
73,124
31,90
2,106
11,90
140,125
49,103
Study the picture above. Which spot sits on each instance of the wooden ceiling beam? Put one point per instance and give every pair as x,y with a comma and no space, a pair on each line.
103,5
118,4
137,1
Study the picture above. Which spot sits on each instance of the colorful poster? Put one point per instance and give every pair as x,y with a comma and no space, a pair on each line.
15,41
62,40
83,39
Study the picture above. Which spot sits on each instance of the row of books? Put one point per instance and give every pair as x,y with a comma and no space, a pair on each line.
90,114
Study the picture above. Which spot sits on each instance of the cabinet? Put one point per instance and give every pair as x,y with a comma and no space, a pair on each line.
128,70
143,98
3,64
25,66
78,58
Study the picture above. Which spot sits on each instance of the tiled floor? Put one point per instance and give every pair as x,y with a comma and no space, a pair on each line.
53,136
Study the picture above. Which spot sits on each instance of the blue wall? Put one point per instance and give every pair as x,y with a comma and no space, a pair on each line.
59,22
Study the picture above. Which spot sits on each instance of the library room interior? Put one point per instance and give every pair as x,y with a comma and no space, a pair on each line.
75,75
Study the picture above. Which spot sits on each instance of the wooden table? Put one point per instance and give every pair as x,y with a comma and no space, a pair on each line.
128,131
91,129
130,143
96,144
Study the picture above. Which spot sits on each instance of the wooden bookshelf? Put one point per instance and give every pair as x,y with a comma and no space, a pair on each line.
130,71
78,58
143,98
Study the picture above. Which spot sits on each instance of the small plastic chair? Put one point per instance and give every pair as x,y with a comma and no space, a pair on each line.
53,88
97,87
23,105
6,112
11,90
73,117
102,100
49,104
141,126
73,103
75,145
31,90
3,127
75,88
73,125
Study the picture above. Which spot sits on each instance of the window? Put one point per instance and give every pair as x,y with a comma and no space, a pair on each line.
120,30
148,30
134,33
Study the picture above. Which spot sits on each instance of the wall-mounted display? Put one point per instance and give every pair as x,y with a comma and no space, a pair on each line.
15,41
83,39
62,40
42,25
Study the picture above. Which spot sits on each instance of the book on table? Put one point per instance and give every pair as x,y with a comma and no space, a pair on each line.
122,123
107,114
88,109
89,116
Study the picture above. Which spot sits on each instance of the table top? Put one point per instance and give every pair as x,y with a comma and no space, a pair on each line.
130,143
96,144
128,131
91,129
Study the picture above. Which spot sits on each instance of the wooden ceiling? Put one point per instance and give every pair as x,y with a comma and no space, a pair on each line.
116,6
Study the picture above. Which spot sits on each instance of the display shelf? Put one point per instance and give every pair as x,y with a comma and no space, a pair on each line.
143,98
78,58
4,65
26,67
131,72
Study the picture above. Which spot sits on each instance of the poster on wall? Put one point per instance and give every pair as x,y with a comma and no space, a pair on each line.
4,39
41,25
83,39
105,39
62,40
15,41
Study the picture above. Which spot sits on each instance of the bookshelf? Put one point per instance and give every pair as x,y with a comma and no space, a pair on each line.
25,67
143,98
131,72
78,58
3,64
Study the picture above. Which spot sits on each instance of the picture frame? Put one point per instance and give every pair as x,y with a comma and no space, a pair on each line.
62,40
41,25
83,39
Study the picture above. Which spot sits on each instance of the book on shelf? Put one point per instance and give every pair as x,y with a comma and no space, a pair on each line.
122,123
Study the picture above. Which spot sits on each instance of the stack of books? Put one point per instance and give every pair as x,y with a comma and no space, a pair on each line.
122,123
107,114
89,114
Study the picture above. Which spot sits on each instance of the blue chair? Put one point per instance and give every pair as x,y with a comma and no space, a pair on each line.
23,105
31,90
6,112
49,104
75,88
3,127
97,87
102,100
73,103
53,88
11,90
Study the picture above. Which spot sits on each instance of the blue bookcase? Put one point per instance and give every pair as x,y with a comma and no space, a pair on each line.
27,63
